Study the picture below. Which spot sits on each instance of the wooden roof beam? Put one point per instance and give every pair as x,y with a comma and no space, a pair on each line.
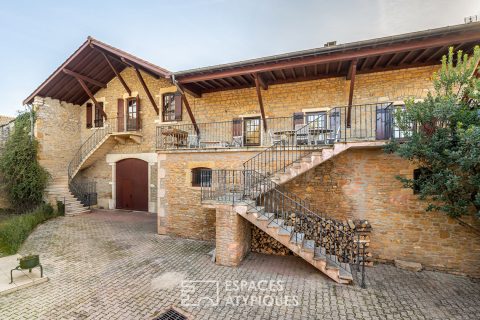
117,74
352,68
352,72
260,101
187,106
84,78
335,57
258,78
145,88
89,93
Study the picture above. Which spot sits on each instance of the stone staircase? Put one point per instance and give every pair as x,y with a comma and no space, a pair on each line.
257,194
297,242
58,190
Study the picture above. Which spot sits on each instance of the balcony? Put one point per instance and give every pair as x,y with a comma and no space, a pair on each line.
366,122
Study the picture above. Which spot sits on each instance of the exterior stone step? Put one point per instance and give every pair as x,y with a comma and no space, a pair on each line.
309,245
285,231
265,216
345,272
320,254
275,223
297,238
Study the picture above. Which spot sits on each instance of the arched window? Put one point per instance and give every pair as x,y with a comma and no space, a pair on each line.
201,176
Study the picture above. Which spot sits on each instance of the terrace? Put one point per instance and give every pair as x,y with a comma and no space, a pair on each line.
367,122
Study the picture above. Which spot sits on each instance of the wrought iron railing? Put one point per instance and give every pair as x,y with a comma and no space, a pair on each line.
366,122
85,192
334,239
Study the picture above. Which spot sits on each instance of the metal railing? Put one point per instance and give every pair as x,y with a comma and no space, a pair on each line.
85,192
335,240
368,122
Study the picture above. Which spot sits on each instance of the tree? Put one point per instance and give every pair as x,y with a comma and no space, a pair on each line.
25,180
442,137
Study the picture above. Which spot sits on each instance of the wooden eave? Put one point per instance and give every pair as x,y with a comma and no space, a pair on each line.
88,62
417,49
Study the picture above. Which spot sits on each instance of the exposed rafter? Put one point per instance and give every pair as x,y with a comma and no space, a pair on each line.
258,77
187,106
260,101
145,88
84,78
89,93
351,72
117,74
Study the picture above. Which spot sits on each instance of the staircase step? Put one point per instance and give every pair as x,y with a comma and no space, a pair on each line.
285,231
309,245
345,272
275,223
320,254
265,216
256,209
297,238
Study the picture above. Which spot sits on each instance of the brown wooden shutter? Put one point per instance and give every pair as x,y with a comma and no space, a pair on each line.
139,121
178,107
237,127
297,118
120,115
89,115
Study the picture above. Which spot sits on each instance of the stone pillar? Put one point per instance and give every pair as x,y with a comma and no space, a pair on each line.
162,218
233,236
112,203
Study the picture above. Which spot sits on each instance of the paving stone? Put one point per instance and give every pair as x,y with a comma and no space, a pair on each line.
101,266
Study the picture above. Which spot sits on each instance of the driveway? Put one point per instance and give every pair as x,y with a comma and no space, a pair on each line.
112,265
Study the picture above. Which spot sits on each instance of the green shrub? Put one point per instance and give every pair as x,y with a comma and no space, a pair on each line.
24,178
15,230
61,208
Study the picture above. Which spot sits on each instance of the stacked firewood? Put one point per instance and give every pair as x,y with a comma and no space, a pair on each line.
263,243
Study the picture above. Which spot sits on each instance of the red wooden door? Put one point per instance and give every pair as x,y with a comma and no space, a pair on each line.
132,184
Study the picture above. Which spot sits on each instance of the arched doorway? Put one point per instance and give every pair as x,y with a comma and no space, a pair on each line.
132,184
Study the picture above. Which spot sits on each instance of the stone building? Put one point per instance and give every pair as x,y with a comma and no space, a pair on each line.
277,154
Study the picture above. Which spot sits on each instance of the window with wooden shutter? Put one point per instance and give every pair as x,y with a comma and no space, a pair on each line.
297,118
132,114
139,120
168,107
89,115
178,106
120,115
237,127
98,115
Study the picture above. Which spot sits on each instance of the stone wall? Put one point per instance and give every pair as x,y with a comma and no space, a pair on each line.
57,129
285,99
361,184
233,236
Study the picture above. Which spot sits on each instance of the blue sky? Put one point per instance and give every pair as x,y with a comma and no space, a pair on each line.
37,36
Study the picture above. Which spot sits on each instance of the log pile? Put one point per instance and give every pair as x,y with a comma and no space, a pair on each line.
263,243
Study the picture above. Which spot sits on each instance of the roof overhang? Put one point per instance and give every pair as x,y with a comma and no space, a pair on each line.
89,63
389,53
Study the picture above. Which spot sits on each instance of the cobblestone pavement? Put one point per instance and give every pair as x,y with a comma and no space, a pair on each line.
112,265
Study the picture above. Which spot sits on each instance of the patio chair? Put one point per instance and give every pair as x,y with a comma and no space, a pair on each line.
193,141
276,138
302,134
334,137
237,141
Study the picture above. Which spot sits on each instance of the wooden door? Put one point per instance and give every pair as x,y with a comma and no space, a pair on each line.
132,184
383,123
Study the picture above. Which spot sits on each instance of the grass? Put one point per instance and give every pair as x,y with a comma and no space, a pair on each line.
15,228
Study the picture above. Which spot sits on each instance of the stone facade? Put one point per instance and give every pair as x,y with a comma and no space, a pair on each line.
362,184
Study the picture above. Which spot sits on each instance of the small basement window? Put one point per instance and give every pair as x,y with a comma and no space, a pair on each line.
201,176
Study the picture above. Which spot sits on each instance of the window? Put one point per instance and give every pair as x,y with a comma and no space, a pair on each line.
316,120
201,177
99,115
172,107
251,128
132,114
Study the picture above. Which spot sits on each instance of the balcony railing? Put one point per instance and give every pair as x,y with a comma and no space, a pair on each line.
368,122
